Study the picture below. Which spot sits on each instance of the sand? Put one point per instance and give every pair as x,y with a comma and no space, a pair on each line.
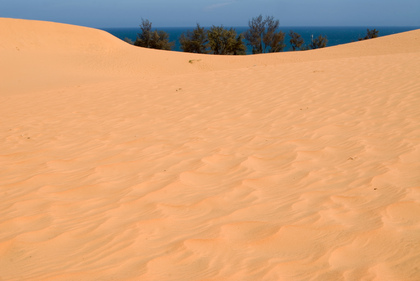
124,163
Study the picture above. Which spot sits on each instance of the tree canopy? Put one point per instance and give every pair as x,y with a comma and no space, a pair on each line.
217,40
370,34
152,39
195,41
263,35
320,42
224,41
296,40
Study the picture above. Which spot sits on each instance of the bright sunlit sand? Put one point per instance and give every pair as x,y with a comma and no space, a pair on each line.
124,163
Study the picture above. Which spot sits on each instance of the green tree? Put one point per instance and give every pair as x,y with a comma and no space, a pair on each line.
320,42
237,46
195,41
225,42
144,37
160,40
263,35
296,40
128,40
152,39
370,34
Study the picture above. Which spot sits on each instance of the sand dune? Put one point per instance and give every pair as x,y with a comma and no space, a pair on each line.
123,163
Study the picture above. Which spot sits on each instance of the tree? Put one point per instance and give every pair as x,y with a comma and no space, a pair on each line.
152,39
237,46
194,41
296,40
263,35
370,34
225,42
144,37
320,42
160,40
128,40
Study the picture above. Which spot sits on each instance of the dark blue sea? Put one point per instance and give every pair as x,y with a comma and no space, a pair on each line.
335,35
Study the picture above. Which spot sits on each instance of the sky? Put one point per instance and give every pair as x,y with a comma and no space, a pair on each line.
186,13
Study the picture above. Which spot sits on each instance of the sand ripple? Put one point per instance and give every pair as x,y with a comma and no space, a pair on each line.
299,167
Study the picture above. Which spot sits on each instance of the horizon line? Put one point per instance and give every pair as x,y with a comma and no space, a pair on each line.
284,26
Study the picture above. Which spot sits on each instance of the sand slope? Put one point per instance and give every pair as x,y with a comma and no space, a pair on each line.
122,163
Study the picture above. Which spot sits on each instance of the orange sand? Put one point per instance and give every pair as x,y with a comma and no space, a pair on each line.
124,163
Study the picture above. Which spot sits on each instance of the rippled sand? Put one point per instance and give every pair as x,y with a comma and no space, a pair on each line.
124,163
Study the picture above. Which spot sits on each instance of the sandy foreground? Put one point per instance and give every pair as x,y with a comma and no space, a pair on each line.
124,163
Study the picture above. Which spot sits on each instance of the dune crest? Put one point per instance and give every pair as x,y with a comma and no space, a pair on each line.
123,163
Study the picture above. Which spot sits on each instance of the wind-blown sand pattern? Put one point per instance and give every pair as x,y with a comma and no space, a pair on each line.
124,163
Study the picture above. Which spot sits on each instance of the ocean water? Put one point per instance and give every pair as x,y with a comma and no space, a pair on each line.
335,35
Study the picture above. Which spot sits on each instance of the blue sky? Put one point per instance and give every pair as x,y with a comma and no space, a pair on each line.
165,13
